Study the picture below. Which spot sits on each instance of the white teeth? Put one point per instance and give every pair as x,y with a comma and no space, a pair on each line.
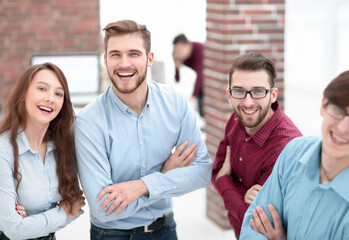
338,139
46,109
249,111
125,74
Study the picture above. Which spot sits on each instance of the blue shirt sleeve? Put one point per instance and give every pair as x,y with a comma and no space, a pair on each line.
179,181
95,170
14,226
270,193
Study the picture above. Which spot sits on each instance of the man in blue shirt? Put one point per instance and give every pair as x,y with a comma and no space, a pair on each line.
307,194
124,141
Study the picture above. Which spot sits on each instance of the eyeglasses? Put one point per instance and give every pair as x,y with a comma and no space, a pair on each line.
335,111
255,94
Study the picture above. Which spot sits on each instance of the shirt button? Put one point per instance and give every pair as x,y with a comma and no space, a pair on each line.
307,216
240,159
246,140
141,142
317,192
142,165
174,187
240,179
155,192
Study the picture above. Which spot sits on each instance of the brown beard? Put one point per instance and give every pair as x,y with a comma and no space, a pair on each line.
260,118
139,81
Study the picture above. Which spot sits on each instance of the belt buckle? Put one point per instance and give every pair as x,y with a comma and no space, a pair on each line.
146,230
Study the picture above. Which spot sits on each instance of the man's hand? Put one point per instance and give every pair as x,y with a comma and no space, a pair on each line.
121,194
226,168
178,160
73,210
176,59
252,193
261,223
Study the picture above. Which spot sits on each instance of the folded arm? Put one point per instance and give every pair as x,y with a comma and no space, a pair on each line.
16,226
181,180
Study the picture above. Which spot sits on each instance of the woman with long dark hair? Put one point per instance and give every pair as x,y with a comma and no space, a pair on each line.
37,160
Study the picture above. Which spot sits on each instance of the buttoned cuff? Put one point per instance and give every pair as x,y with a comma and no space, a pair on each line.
223,184
155,186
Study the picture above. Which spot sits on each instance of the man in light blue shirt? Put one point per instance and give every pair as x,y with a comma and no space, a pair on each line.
124,141
307,194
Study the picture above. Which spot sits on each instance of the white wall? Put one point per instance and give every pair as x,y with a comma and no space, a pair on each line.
316,51
164,19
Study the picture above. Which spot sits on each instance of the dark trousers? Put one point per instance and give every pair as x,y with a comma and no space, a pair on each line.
167,232
51,236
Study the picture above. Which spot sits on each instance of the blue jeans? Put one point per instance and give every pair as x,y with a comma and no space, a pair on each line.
168,232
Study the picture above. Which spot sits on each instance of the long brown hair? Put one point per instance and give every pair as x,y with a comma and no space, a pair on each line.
60,130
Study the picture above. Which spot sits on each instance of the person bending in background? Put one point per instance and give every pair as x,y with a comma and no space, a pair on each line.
307,193
37,161
255,135
190,54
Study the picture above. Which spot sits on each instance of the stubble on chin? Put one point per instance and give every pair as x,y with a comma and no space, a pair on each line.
139,82
251,122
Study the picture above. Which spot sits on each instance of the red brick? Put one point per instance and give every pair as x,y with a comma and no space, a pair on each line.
271,31
254,2
276,1
255,12
44,27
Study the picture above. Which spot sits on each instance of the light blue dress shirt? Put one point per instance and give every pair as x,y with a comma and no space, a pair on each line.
114,145
37,192
308,209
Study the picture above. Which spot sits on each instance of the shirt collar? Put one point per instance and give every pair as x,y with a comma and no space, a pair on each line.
121,105
23,144
262,135
311,160
339,184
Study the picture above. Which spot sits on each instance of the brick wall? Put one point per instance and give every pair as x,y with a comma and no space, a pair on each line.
235,27
38,27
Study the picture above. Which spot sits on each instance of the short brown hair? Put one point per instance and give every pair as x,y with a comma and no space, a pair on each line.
253,61
181,38
337,91
127,27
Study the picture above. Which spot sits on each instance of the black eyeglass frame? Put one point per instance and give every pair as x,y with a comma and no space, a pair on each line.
250,92
345,113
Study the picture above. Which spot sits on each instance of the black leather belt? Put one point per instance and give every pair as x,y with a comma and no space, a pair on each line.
156,225
51,236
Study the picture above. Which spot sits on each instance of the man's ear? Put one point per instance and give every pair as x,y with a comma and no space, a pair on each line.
228,95
150,59
274,94
105,59
323,106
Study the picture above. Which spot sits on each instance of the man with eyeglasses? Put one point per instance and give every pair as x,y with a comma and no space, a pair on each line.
255,135
307,194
